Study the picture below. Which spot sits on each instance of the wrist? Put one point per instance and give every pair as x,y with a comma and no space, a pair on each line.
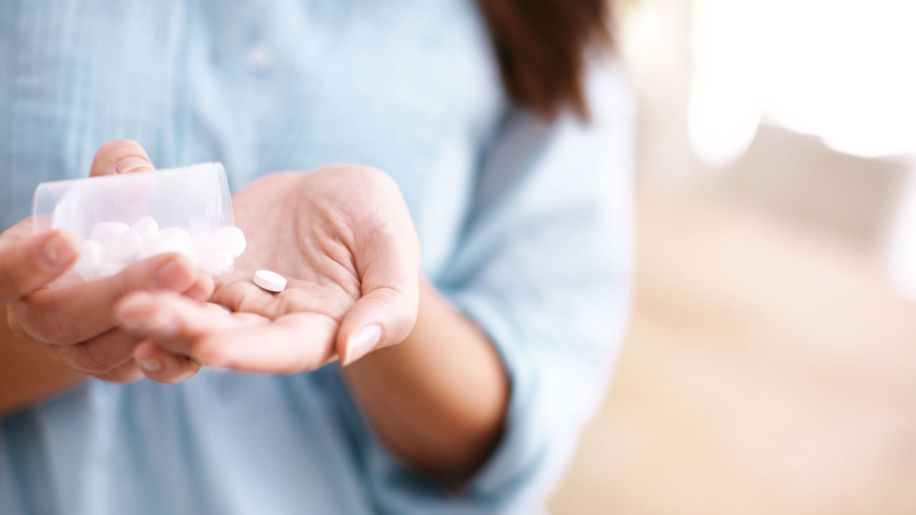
28,373
438,398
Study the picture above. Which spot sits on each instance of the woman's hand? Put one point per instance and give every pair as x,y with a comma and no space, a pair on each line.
343,237
77,325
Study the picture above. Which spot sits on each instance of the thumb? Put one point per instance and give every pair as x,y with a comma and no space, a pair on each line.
387,258
384,316
31,262
120,156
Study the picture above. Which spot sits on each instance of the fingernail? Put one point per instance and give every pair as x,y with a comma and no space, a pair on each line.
150,365
132,164
361,342
57,251
173,275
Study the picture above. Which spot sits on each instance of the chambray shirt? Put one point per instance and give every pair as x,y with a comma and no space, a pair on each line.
524,225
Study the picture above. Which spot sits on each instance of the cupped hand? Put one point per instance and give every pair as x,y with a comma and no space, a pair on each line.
343,237
77,324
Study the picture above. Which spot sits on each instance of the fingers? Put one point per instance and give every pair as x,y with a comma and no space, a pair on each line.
292,343
100,355
388,265
382,317
76,314
387,259
126,373
120,156
239,341
163,366
202,289
32,262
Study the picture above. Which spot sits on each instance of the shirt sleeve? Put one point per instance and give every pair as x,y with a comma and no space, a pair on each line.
544,269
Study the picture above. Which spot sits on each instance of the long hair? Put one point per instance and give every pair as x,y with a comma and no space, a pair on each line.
542,47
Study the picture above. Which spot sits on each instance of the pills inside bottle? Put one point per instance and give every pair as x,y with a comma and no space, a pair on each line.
115,245
125,218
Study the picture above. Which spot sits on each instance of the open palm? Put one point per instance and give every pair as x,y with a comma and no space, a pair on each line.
342,236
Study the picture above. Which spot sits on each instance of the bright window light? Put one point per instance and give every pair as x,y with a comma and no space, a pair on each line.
840,70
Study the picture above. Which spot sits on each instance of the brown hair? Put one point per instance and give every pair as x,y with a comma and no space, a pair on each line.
541,46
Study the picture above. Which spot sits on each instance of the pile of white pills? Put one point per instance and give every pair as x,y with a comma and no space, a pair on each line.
114,245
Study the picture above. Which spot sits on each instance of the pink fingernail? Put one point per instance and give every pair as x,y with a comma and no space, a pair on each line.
361,342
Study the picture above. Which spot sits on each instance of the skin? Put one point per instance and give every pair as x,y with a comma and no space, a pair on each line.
343,237
75,327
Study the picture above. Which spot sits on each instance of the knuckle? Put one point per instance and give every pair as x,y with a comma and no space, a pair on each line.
41,325
20,319
212,354
12,283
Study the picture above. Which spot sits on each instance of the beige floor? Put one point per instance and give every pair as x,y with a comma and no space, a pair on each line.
768,370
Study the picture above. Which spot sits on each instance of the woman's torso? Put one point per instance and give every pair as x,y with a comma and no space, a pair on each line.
407,86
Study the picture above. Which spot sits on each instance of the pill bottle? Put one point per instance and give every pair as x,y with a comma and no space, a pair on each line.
121,219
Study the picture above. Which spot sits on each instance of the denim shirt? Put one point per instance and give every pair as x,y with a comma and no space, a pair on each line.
524,225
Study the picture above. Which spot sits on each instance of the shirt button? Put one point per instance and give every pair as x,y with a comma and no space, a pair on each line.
259,60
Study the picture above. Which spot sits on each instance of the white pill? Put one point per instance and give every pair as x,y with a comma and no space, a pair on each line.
150,248
200,227
91,256
231,239
178,240
106,230
145,227
270,281
216,262
122,247
177,235
93,253
168,240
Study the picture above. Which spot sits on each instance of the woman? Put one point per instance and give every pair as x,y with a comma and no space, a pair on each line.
462,379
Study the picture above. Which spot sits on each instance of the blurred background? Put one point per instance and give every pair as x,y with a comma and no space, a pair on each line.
770,365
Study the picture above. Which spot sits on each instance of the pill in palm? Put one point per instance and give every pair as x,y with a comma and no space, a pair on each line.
269,280
231,239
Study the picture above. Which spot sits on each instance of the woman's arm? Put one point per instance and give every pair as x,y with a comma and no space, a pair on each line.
438,399
50,340
28,374
27,262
